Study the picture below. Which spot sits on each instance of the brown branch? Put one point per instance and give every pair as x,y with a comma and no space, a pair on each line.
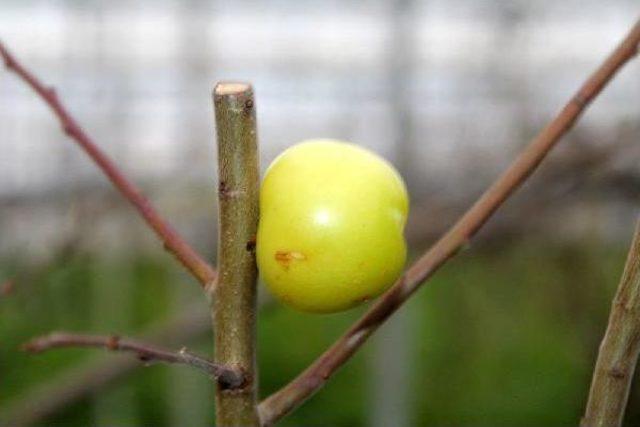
232,378
94,375
172,241
619,349
293,394
85,378
234,305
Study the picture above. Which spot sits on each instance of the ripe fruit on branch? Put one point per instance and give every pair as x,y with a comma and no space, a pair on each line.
331,227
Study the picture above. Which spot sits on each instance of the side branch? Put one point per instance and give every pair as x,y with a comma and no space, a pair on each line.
234,301
144,352
94,375
172,241
619,349
293,394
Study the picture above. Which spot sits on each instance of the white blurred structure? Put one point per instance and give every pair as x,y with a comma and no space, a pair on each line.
445,89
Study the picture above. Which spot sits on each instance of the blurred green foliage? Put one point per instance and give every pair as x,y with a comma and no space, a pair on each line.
502,336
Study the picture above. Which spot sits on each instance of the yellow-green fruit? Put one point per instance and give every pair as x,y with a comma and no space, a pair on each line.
332,216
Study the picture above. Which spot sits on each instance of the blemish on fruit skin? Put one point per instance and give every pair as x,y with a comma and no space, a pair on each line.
285,258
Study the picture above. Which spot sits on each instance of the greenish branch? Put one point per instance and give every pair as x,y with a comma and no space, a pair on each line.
234,296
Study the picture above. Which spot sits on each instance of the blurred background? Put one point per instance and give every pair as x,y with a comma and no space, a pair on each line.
447,90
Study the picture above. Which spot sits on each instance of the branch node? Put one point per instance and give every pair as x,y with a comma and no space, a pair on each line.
113,343
617,373
68,129
580,100
233,381
251,244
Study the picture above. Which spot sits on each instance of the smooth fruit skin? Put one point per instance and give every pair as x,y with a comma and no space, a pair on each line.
330,234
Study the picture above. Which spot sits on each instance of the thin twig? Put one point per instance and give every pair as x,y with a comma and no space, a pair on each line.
147,353
172,241
91,376
86,378
293,394
234,302
619,349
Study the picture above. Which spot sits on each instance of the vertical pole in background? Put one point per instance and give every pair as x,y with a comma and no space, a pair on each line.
234,294
390,368
190,394
112,285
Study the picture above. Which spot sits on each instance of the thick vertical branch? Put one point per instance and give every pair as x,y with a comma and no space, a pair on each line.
619,348
235,294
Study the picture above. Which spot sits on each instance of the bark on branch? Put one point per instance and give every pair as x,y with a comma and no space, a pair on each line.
313,378
172,241
619,349
234,299
147,353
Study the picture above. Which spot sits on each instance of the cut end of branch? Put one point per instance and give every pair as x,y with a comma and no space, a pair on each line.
231,88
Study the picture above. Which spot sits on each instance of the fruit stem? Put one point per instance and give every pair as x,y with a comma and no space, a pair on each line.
234,296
